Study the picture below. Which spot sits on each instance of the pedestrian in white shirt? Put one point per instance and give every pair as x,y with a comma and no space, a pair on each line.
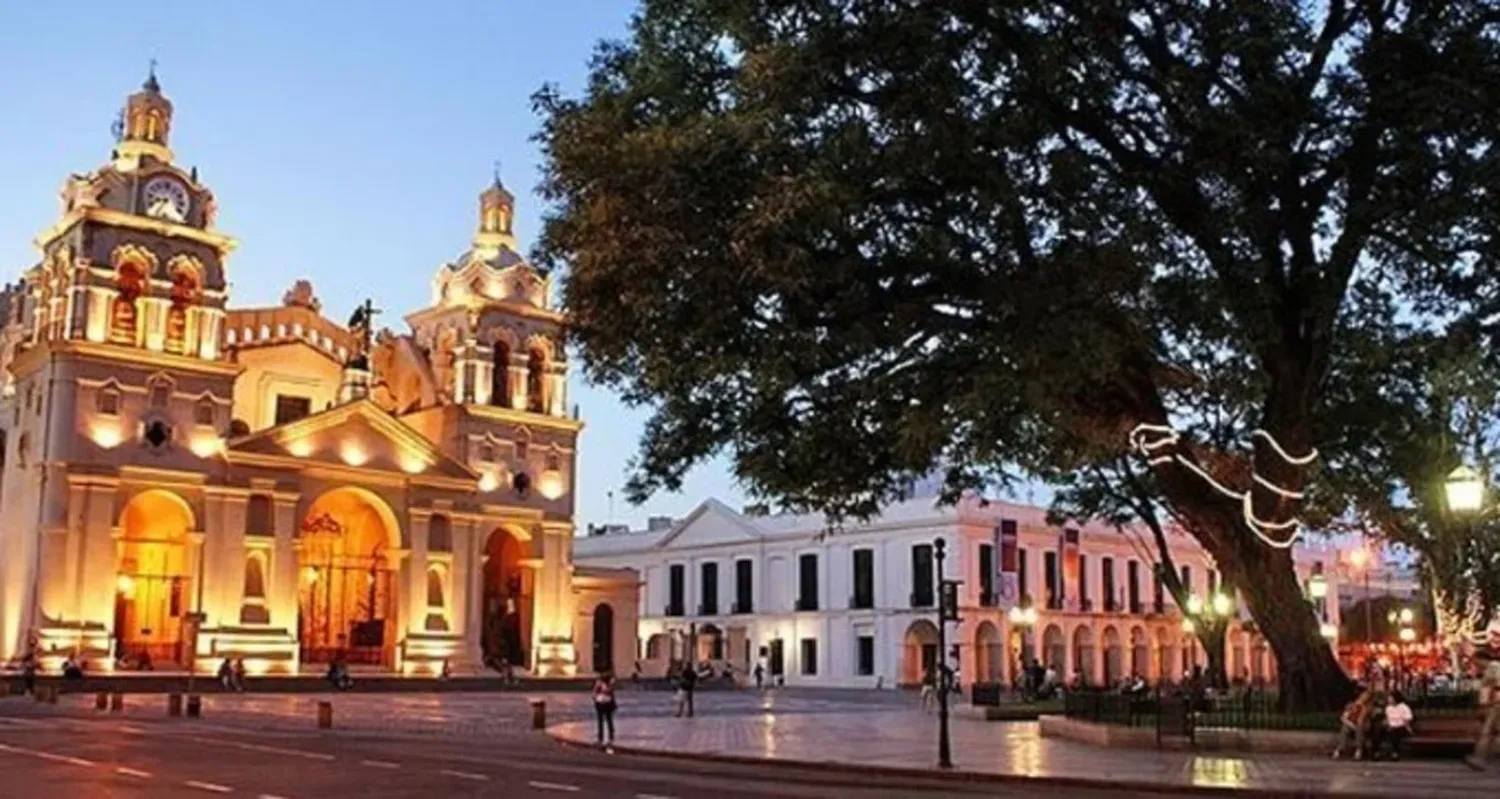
1398,718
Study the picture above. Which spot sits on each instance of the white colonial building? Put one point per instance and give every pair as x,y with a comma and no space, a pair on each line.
856,606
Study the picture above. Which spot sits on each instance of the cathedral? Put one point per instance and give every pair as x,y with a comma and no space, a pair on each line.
185,481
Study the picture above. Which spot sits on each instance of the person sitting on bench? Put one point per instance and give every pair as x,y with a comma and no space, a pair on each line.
1398,718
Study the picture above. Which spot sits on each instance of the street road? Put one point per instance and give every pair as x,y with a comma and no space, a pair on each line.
61,757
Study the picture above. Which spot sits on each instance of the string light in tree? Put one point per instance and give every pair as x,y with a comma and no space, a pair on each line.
1157,444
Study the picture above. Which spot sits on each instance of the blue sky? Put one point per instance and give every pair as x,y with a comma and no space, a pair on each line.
346,142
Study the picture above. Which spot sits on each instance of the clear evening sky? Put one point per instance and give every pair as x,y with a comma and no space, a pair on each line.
345,142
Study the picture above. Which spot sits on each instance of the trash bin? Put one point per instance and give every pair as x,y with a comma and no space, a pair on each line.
539,714
174,705
194,706
325,715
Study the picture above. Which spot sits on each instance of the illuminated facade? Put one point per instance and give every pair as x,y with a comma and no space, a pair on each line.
856,608
184,481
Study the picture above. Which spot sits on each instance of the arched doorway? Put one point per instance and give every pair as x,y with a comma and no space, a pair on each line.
507,602
1166,656
604,637
1114,657
919,652
1054,650
988,654
710,644
1083,654
347,586
1140,653
152,582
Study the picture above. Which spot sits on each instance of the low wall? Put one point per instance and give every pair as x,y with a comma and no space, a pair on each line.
1204,739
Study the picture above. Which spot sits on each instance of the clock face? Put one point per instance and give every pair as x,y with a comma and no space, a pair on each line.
165,198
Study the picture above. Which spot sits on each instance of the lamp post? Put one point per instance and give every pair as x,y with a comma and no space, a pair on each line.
947,611
1465,492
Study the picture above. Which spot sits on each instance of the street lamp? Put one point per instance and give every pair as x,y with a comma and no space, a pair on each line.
1222,604
947,611
1465,490
1317,586
1195,604
1329,630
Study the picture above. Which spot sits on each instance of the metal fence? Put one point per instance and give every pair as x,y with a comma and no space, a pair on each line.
1249,710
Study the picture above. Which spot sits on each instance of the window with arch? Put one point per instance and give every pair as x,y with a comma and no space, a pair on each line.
130,284
255,576
554,462
155,126
204,412
435,598
107,401
522,449
439,534
184,294
486,451
536,381
500,376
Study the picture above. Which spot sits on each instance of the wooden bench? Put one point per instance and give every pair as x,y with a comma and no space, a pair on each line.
1444,736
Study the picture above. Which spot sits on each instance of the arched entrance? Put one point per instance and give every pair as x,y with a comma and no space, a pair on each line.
1166,657
507,602
710,644
1054,650
1083,654
1114,657
1140,653
347,588
988,654
919,652
152,582
604,637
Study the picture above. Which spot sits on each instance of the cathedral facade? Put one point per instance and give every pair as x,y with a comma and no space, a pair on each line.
185,481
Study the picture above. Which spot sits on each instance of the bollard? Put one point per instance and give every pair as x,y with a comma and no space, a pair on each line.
539,714
39,694
174,705
116,702
101,700
194,706
325,715
52,695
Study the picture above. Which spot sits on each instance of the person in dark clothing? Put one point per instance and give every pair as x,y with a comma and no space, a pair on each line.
28,673
689,682
604,707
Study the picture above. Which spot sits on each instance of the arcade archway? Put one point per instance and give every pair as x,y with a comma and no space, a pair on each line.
347,589
152,579
919,652
507,602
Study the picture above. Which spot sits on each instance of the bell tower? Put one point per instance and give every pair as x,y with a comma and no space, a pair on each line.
497,210
145,125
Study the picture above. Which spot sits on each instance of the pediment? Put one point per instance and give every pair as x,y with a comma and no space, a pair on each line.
711,524
358,434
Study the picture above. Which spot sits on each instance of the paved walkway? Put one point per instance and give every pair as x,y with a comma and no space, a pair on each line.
905,739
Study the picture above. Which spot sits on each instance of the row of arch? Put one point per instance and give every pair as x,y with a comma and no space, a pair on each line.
347,586
133,267
1170,655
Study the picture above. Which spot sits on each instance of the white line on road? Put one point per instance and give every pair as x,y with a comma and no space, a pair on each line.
554,786
76,761
212,787
379,764
271,796
274,750
133,772
466,775
651,796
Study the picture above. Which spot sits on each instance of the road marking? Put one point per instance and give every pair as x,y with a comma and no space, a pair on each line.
554,786
466,775
651,796
132,772
274,750
131,729
208,786
379,764
76,761
271,796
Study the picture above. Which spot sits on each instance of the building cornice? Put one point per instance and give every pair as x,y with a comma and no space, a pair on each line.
38,352
145,224
495,413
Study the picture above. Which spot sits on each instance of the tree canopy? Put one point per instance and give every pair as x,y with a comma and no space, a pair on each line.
849,242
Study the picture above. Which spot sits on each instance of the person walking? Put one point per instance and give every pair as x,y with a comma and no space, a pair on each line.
1489,700
689,682
760,676
28,673
929,689
604,708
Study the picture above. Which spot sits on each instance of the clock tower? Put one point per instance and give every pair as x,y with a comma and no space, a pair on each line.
117,361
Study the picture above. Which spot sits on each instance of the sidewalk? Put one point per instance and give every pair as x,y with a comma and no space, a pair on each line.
906,741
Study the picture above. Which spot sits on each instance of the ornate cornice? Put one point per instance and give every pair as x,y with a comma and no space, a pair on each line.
109,216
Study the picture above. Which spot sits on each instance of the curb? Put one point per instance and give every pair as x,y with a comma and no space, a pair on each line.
903,772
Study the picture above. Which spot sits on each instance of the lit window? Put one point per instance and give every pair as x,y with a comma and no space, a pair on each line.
255,578
435,589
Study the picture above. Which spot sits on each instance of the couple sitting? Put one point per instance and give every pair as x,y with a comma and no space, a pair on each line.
1371,717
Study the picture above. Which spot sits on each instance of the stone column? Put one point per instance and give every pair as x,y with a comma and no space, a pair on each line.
484,368
517,385
151,322
98,557
416,580
281,594
100,300
468,587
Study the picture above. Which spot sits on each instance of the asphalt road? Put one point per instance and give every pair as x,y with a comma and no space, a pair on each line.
61,757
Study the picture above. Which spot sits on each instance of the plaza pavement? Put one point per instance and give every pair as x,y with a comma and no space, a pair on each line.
851,730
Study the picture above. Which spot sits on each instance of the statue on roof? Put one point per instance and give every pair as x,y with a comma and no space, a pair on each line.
300,295
362,325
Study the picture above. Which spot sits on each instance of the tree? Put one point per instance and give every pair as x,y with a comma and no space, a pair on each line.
1116,494
846,242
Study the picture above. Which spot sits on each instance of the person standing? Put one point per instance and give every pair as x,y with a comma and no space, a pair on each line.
689,682
760,676
604,708
1489,700
929,689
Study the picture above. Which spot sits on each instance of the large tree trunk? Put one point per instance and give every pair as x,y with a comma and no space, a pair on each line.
1309,676
1213,647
